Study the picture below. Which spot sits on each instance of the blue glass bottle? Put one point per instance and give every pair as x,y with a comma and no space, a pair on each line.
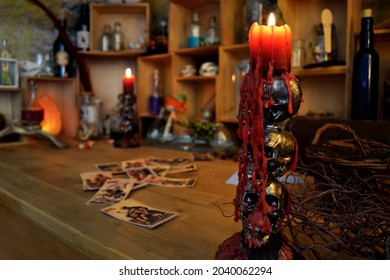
365,78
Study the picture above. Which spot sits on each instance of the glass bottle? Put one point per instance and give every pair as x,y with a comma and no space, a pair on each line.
62,57
82,27
47,68
117,37
212,33
365,76
155,99
105,40
89,119
5,66
194,39
156,129
32,113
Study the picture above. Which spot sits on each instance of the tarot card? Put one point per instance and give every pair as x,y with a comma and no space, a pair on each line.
113,191
171,162
202,157
182,168
171,182
137,213
160,171
111,166
139,174
120,175
139,186
94,180
133,163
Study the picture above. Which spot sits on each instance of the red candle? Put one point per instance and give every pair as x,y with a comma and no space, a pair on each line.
270,44
128,82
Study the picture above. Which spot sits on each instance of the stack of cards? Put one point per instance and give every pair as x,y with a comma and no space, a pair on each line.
115,180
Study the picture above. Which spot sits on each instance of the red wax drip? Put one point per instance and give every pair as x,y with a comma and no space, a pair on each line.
251,131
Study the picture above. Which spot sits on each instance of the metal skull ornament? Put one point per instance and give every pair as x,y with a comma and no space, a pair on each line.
261,217
280,149
283,99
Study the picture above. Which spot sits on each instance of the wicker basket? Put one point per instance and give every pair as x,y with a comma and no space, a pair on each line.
356,174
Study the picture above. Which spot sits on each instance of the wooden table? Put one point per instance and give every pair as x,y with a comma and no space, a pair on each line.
44,215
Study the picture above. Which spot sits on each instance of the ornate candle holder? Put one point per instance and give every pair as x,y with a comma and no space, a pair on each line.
269,94
123,122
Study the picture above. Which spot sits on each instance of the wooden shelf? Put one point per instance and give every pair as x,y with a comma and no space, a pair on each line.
108,54
9,89
201,51
195,4
157,57
238,48
320,71
196,79
52,79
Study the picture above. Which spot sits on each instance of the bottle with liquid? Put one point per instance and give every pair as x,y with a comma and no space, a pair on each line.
62,57
155,99
105,40
5,66
90,118
194,39
32,113
365,76
117,37
82,27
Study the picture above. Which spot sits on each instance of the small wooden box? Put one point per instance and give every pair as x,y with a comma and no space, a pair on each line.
134,19
13,70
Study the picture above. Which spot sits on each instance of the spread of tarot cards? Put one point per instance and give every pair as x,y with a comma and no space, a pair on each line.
113,183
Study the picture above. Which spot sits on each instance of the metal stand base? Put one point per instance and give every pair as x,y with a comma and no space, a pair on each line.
32,131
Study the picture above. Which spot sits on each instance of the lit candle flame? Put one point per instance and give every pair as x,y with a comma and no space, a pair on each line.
271,20
128,73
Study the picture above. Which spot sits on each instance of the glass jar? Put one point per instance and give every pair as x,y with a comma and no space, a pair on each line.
32,113
90,118
298,53
317,45
222,140
5,66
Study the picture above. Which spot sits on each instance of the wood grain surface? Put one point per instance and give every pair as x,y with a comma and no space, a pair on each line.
44,213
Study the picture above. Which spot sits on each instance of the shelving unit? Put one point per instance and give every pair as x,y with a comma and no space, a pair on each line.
107,67
134,19
325,89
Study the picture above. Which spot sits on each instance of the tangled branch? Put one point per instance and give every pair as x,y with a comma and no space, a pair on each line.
339,215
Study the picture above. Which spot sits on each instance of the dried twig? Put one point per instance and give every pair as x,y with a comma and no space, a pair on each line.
329,220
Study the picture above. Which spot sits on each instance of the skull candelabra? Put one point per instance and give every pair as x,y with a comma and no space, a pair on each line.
269,94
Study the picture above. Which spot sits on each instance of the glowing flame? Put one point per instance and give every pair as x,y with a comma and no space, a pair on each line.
271,20
128,73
